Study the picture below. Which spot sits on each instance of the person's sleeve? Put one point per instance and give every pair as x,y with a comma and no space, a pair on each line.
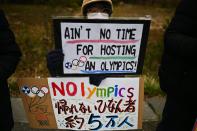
55,62
180,44
9,51
96,80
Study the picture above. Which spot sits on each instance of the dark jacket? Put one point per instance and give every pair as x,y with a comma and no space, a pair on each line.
9,51
9,57
180,47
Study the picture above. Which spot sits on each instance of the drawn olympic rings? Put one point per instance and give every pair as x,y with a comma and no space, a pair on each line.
76,63
68,65
32,92
41,92
79,62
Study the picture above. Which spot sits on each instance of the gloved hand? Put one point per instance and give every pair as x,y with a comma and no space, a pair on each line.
55,62
96,80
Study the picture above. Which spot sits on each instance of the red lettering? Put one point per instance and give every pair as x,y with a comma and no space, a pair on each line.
71,84
60,89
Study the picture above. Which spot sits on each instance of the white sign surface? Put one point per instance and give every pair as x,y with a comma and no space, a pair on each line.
94,48
78,105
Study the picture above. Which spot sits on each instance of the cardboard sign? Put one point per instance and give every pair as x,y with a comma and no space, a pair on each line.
37,102
101,46
72,103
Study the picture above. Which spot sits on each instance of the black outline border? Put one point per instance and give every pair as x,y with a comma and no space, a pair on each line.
145,33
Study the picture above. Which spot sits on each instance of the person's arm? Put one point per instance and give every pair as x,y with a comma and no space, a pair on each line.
96,80
180,44
55,66
55,62
9,51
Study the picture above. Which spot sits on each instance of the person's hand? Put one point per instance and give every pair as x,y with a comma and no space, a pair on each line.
96,80
55,62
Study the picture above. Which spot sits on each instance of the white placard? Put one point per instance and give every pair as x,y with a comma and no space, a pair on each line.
95,48
78,105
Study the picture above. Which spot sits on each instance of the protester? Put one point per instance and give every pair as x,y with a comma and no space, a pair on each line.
9,57
195,126
178,70
91,9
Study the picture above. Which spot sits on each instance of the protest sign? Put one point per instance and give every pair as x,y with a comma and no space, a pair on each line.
72,103
37,102
101,46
